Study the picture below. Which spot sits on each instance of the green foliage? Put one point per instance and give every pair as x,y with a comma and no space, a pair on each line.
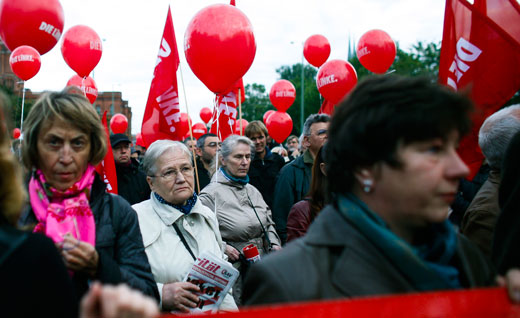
15,106
256,103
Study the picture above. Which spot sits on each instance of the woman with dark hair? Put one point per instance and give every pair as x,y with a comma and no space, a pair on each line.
97,233
392,173
305,211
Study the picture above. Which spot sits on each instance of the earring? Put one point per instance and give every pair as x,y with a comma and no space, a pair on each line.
367,185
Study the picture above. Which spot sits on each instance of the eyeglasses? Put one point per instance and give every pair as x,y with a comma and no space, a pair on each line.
321,133
172,174
213,144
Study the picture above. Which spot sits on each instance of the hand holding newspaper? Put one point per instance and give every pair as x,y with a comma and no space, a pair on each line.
214,277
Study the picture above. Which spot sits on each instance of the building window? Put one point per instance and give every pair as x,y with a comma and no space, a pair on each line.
98,108
111,109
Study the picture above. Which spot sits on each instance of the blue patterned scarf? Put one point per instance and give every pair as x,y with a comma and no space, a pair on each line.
426,266
186,209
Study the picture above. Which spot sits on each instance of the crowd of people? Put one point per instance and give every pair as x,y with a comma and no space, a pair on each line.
358,205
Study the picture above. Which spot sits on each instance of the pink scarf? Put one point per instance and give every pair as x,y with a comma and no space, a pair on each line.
62,212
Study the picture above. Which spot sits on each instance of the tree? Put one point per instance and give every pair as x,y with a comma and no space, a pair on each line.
256,103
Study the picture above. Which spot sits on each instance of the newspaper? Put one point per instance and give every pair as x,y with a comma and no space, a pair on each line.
214,276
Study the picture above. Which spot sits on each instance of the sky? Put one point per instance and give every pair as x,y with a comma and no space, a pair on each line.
132,30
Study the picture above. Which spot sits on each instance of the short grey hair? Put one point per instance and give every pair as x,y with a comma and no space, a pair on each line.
496,132
231,142
312,119
157,149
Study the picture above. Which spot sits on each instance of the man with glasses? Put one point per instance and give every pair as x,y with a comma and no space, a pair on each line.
295,177
207,146
131,181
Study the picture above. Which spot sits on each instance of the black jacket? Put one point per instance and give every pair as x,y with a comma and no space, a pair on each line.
204,177
118,242
263,174
335,260
292,186
131,183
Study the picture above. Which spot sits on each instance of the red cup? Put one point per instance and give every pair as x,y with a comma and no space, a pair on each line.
251,253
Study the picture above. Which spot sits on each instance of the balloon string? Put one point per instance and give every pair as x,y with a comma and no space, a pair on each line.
23,103
240,110
83,87
215,101
190,128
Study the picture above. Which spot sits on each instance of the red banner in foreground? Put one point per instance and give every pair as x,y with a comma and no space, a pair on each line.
475,303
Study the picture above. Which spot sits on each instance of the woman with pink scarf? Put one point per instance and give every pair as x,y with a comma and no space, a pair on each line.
96,233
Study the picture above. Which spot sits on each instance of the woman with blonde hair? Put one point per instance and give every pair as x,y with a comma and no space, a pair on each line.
97,233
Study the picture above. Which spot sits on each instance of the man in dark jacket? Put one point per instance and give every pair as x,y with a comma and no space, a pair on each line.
265,165
207,146
294,178
131,182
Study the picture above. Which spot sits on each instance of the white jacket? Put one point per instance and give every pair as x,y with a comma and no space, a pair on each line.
167,255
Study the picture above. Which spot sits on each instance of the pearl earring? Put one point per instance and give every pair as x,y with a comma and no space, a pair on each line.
367,185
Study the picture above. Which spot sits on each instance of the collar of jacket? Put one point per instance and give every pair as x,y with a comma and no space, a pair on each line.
168,214
328,228
132,167
220,178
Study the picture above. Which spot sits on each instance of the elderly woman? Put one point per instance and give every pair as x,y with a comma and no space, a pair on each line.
97,233
175,226
244,217
392,172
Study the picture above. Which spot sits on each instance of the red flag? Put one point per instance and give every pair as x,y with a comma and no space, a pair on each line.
226,111
326,108
162,114
481,52
107,168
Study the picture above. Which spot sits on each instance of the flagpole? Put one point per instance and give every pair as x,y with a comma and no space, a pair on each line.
191,133
240,110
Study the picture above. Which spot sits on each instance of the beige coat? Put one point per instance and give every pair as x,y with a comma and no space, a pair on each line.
237,220
168,257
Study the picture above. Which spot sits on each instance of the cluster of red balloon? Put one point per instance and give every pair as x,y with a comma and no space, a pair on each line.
279,124
376,51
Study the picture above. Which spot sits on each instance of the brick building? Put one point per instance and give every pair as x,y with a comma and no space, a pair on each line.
111,102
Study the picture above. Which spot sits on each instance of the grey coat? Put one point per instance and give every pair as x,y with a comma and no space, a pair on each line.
334,260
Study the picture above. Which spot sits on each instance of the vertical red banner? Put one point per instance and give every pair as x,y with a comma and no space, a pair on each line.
481,53
162,115
107,168
226,111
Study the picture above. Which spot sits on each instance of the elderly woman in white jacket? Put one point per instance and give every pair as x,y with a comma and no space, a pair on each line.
174,207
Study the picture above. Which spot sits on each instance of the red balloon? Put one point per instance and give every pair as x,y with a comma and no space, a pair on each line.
266,115
316,50
37,23
198,130
376,51
184,128
237,127
205,114
86,85
219,46
119,124
16,133
81,49
279,125
139,140
25,62
282,95
335,79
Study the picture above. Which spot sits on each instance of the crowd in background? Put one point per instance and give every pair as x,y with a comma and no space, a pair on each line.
371,201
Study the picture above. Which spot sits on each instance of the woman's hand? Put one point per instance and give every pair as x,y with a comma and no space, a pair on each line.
232,253
117,301
275,248
512,283
179,296
79,256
